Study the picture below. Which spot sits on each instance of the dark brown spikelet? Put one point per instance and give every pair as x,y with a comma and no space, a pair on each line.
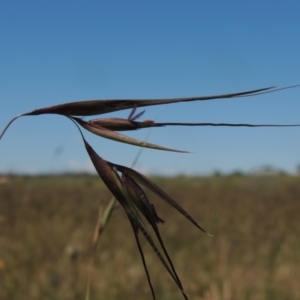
108,174
97,107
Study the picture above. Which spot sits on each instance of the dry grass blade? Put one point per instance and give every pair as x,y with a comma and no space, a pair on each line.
103,219
112,135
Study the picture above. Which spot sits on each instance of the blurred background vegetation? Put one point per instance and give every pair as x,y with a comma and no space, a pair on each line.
47,226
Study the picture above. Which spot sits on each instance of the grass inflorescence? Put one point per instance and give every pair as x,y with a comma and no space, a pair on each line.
126,184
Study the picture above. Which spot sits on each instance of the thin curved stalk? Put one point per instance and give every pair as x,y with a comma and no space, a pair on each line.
10,122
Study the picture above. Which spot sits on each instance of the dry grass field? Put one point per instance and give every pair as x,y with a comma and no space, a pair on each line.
47,226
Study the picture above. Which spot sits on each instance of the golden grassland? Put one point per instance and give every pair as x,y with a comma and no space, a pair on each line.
47,226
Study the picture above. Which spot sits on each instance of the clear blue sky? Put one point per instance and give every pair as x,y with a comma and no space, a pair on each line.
61,51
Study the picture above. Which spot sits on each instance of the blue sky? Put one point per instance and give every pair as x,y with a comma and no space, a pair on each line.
62,51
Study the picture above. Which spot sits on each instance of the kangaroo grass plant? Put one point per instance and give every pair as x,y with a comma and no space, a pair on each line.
126,184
